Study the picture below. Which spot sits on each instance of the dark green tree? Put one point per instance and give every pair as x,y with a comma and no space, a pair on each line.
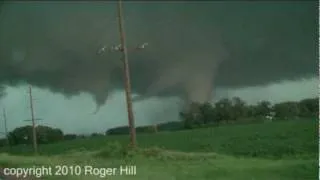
286,110
45,134
239,109
224,111
263,108
309,107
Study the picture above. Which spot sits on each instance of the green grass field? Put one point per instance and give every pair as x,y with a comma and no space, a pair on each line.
277,150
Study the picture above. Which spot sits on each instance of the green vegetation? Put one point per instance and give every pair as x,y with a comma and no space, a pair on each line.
275,150
276,139
188,166
225,111
227,141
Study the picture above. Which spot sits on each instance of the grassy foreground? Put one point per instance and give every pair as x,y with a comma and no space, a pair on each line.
278,151
199,167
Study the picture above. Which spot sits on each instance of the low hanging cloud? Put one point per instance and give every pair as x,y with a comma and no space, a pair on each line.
192,49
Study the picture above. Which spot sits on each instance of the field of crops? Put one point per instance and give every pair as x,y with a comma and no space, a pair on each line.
274,150
275,139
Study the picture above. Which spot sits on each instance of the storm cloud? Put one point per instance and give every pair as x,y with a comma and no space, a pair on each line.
193,48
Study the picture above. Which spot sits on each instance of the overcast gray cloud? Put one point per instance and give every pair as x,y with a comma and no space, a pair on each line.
279,92
194,48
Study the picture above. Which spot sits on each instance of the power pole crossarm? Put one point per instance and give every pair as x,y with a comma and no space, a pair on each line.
113,48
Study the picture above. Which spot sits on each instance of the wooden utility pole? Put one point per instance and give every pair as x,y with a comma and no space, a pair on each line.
5,125
34,134
126,77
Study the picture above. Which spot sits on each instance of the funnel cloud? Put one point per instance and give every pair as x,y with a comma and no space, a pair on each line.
193,48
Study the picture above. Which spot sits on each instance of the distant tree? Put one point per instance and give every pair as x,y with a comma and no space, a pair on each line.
45,134
143,129
309,107
3,142
188,120
224,110
148,129
239,108
118,130
192,116
286,110
171,126
263,108
207,113
96,135
70,136
21,135
251,111
81,136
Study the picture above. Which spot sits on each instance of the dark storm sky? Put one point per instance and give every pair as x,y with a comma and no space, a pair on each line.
193,47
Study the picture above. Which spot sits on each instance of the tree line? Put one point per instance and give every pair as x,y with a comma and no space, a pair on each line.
236,110
225,111
230,111
45,135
